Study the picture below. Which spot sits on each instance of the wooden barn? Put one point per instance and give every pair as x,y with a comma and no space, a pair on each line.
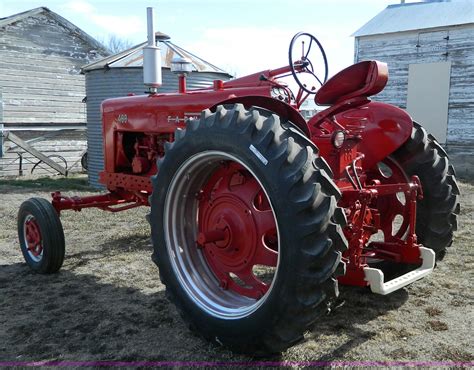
429,49
42,92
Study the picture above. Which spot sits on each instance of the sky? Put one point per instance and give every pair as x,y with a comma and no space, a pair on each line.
239,36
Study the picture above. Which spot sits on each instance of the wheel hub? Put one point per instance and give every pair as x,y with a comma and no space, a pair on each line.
33,238
235,226
231,218
221,234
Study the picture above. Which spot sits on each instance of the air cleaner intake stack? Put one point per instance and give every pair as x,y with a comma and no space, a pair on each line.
151,57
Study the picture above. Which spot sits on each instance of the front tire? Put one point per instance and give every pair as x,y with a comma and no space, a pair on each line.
235,191
41,236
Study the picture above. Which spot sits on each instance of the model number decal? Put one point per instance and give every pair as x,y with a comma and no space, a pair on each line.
258,154
122,118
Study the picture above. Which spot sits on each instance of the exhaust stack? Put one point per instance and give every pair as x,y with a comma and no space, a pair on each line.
151,58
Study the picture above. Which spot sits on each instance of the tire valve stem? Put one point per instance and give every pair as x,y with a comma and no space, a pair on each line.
199,245
224,284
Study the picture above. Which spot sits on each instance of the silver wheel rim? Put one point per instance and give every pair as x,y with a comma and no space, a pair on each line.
35,258
180,229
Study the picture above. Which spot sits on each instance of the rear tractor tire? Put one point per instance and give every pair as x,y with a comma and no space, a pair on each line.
41,236
436,218
245,229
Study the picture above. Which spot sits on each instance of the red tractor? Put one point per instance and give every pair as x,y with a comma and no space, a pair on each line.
256,213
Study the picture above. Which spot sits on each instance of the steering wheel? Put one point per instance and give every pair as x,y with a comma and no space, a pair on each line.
303,64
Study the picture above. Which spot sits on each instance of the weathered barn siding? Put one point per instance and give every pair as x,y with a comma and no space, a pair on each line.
40,62
41,55
102,84
455,44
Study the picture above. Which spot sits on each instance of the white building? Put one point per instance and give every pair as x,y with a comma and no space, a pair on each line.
429,49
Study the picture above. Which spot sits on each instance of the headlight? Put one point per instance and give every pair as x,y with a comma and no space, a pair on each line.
338,138
181,65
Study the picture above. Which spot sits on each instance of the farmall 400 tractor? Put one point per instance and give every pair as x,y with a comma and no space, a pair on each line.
256,213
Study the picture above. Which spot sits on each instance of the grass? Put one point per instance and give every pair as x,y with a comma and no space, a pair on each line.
76,182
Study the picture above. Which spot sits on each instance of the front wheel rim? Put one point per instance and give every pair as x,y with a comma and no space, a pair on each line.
32,238
200,254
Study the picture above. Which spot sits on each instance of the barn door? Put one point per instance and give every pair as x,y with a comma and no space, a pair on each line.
428,96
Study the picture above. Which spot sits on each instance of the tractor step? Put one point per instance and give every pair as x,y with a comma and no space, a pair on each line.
375,276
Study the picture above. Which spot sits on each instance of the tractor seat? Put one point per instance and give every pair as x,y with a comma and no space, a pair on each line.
362,79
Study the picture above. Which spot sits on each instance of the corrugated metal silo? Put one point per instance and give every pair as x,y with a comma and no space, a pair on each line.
122,74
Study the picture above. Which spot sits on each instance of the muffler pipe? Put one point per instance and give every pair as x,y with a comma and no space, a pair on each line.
151,57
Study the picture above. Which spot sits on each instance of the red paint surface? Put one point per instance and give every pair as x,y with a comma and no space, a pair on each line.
237,229
136,129
362,79
34,240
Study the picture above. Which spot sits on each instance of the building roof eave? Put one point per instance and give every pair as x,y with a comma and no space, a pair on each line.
64,22
422,15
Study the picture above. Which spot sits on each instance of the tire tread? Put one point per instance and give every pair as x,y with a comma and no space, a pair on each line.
423,156
313,196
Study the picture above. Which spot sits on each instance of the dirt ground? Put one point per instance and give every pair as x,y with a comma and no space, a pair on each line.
107,303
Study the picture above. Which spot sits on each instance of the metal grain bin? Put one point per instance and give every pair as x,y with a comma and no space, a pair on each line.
121,74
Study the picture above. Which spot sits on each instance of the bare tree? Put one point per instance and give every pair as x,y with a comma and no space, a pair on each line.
115,44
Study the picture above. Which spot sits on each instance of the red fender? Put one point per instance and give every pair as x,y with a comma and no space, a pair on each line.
383,129
280,108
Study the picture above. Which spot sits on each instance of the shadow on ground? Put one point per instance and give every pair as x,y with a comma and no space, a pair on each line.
354,308
68,316
128,244
77,317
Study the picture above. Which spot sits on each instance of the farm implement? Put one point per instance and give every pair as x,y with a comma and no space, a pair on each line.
256,213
